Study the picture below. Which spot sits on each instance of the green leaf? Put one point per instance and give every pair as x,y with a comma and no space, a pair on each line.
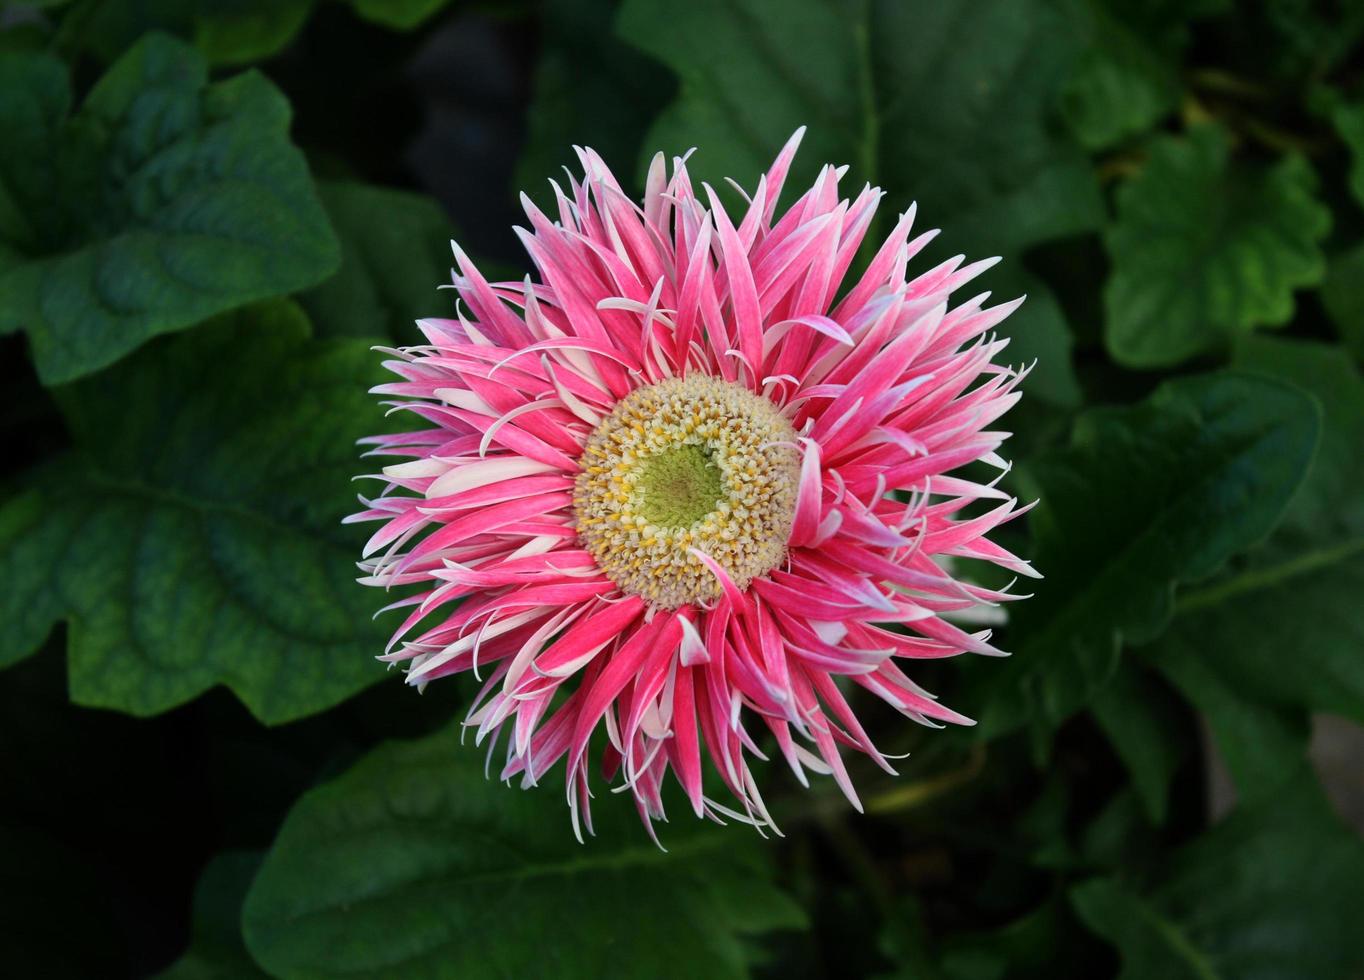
1274,891
1038,335
1262,746
1125,81
1349,122
1329,505
36,4
33,604
395,249
1140,720
1117,93
871,82
1151,945
583,67
1204,249
749,73
163,201
193,537
1120,835
1307,40
905,941
964,95
1343,296
1276,635
227,32
1128,77
216,950
1144,497
34,97
1038,944
413,864
399,15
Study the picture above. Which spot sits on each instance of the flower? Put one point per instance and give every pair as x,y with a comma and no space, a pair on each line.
690,477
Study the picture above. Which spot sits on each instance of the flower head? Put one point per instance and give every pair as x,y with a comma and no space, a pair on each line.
673,489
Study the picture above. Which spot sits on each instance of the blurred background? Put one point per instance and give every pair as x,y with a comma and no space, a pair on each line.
210,210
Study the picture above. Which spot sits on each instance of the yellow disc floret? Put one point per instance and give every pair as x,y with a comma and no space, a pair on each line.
689,463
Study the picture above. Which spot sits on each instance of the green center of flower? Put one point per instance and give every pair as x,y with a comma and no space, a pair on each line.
679,486
688,465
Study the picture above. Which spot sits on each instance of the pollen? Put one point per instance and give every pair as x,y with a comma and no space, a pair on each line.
688,463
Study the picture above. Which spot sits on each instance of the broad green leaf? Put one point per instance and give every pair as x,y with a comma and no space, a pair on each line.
905,941
874,84
1121,835
1128,78
33,35
401,15
963,121
1038,334
1168,23
1263,746
1272,892
1151,945
163,201
1349,122
395,254
1277,634
1143,498
1307,40
216,950
1137,715
1115,94
34,97
1343,296
1122,85
227,32
750,72
193,537
1330,503
583,67
33,541
1038,943
413,864
1204,249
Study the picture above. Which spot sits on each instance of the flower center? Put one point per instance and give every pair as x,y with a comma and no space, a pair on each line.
688,463
680,486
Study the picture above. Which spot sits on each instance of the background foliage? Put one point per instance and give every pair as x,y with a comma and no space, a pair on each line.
210,211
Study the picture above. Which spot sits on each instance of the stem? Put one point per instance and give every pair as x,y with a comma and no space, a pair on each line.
1226,83
911,795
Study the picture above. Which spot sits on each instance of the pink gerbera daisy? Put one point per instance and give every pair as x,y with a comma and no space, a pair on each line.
681,484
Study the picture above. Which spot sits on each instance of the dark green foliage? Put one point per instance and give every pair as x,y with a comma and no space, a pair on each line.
1203,250
398,14
209,213
591,89
395,249
1275,635
946,105
413,864
192,536
1274,891
225,31
216,950
1145,497
163,201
